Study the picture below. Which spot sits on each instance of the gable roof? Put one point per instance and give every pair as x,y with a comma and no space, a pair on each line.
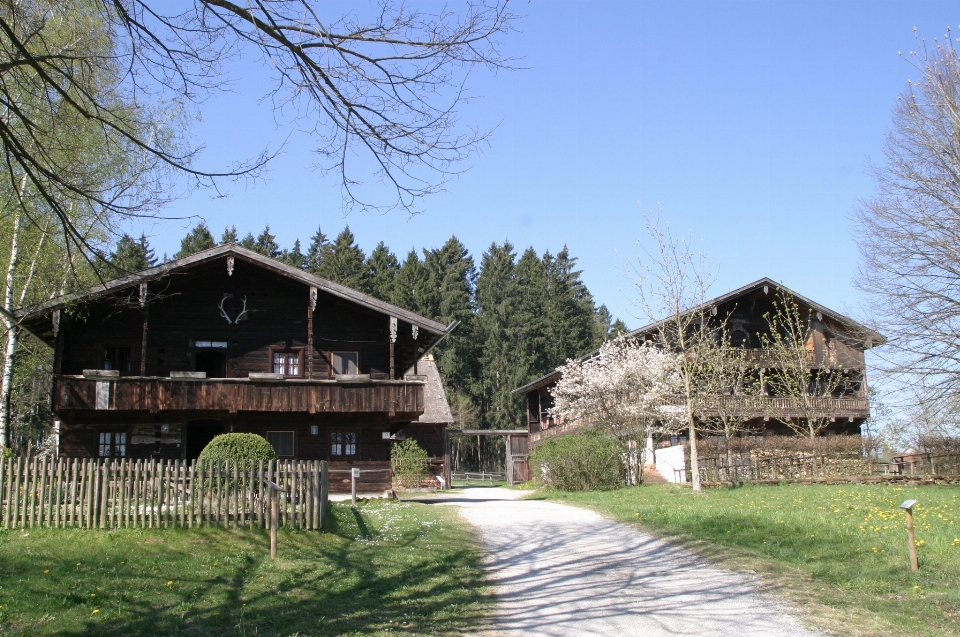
436,409
870,337
33,318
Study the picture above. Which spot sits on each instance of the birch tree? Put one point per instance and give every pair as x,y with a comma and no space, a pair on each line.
794,373
671,281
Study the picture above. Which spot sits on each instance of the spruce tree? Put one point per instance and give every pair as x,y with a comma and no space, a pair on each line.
229,235
343,262
130,255
249,242
314,255
382,268
198,239
450,277
410,285
294,257
266,244
500,358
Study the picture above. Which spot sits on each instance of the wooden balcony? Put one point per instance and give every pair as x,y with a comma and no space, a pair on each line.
758,406
72,394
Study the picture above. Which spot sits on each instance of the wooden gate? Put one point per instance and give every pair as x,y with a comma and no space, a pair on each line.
518,458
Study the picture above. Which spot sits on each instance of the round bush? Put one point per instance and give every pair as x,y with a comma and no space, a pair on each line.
409,461
580,462
237,446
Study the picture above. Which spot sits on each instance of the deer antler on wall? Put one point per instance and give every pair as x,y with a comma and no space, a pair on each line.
224,314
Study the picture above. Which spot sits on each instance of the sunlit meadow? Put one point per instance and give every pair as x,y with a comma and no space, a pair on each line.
842,548
379,568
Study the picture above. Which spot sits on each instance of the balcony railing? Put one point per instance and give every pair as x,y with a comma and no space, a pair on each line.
78,393
775,406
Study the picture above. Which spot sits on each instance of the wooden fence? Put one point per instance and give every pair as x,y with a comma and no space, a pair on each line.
126,493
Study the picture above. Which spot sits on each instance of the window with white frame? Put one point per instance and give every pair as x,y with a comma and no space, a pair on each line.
287,362
343,443
112,445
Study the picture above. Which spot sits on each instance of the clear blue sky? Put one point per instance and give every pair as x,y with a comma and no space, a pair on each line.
750,123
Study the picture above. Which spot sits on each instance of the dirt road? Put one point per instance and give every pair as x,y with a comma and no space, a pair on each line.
561,570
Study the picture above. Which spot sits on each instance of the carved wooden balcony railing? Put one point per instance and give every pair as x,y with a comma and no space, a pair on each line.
77,393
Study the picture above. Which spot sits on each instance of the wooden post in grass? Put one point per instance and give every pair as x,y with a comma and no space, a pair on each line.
275,491
908,509
354,474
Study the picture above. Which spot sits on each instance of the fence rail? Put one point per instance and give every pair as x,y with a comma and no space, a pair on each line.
125,493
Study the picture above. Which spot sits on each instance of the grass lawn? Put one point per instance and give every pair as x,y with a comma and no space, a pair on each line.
383,567
839,551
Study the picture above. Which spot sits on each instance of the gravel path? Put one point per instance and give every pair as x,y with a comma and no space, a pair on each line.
560,570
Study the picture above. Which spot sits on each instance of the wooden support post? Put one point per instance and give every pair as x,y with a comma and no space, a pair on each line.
311,306
393,340
143,339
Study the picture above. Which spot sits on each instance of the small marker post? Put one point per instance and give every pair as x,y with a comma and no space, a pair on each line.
275,491
354,474
907,506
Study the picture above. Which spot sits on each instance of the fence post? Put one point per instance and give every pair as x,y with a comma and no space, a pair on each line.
354,474
324,490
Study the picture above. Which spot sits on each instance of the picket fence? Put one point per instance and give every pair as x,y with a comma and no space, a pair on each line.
126,493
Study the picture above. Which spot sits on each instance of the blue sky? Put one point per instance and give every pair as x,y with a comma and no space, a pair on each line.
751,124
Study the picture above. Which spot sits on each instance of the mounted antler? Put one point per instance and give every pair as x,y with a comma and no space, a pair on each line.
242,312
223,312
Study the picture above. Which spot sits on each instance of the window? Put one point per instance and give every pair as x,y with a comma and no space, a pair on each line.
345,362
282,442
343,443
112,445
117,358
287,362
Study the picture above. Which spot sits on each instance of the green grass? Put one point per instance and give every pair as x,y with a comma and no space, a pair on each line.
839,551
383,567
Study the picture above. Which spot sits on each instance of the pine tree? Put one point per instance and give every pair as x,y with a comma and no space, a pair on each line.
148,254
249,242
198,239
343,262
229,235
294,257
533,287
315,252
266,244
382,268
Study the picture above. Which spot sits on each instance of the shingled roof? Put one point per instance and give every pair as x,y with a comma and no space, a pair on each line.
36,318
436,409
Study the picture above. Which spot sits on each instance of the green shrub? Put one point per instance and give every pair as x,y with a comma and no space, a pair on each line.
238,446
409,461
580,462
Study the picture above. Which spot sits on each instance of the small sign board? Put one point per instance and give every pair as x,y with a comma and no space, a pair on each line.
356,472
908,504
274,486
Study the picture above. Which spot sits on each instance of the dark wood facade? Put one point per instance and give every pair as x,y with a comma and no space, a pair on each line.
832,339
229,340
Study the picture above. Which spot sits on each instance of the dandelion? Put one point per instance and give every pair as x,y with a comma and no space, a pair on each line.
78,563
95,611
93,594
170,583
46,571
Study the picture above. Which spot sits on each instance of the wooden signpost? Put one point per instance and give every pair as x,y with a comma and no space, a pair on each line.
354,475
275,491
908,509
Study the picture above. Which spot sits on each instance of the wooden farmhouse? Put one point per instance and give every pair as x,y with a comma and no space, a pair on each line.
155,364
832,339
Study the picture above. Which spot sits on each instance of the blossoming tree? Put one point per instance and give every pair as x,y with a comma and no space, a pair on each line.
626,388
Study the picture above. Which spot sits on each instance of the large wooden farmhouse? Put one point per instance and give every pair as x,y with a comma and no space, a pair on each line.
832,339
153,365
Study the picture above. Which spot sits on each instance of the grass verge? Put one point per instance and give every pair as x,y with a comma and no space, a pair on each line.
379,568
840,551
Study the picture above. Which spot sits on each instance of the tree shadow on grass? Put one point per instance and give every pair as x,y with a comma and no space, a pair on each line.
361,575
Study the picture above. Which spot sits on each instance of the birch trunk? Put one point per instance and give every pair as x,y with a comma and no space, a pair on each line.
6,382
